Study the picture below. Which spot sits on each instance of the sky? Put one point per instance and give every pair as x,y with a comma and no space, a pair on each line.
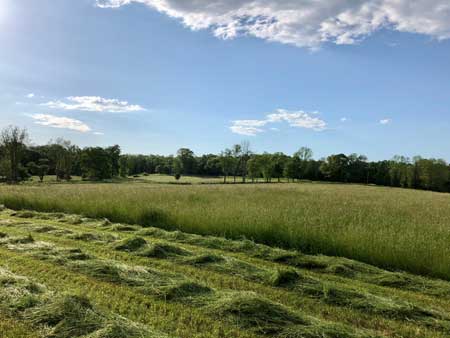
339,76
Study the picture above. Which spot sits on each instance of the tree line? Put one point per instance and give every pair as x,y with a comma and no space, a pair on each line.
19,161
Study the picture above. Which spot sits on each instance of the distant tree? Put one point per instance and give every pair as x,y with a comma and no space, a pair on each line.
62,155
177,167
267,166
278,162
123,166
236,153
187,161
13,144
357,169
40,169
290,169
304,154
254,168
227,163
114,155
302,157
245,157
212,166
96,164
334,168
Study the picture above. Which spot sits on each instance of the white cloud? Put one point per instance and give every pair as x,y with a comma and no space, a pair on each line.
30,96
98,133
298,119
344,119
385,121
304,23
248,127
94,104
60,122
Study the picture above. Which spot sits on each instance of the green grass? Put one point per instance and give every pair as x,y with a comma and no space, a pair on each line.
201,287
161,178
392,228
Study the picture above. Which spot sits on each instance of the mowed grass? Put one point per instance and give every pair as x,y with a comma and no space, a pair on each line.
392,228
66,276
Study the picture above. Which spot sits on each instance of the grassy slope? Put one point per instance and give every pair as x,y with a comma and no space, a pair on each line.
392,228
417,307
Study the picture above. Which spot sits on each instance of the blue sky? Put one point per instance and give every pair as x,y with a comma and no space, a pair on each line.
364,77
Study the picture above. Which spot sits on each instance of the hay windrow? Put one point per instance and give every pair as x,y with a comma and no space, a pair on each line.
284,278
92,237
204,259
162,250
250,311
63,316
131,244
324,330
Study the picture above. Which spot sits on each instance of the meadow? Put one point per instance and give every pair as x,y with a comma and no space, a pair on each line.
396,229
68,276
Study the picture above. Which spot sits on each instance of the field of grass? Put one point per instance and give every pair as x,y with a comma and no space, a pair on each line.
160,178
390,228
68,276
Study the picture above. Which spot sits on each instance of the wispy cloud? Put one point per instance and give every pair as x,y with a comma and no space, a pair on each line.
60,122
297,119
248,127
385,121
94,104
344,119
306,23
30,96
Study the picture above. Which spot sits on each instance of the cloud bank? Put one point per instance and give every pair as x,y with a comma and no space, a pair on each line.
304,23
298,119
60,122
94,104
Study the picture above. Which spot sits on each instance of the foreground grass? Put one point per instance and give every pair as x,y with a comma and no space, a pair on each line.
173,284
392,228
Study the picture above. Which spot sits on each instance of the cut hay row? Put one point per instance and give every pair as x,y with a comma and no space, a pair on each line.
339,266
303,285
247,310
318,263
56,315
330,294
261,268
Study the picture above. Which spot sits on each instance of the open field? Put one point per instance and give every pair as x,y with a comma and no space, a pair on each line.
391,228
160,178
66,276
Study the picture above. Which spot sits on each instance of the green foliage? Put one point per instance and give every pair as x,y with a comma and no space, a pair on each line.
96,164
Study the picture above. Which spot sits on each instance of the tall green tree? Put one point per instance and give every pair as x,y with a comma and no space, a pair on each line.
39,169
227,162
335,168
123,166
13,144
114,155
187,161
254,168
96,164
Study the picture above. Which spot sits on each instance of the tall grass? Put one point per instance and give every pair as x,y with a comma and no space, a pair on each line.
392,228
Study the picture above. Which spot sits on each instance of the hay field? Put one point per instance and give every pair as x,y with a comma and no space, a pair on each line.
391,228
68,276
